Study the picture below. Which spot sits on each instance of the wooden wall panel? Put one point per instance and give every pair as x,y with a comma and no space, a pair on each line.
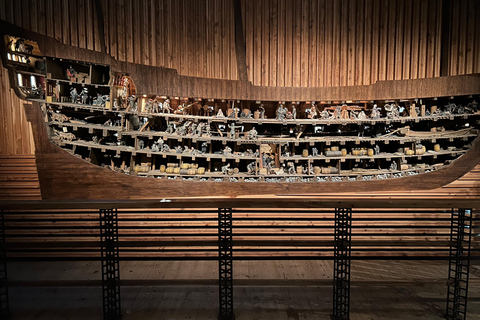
292,43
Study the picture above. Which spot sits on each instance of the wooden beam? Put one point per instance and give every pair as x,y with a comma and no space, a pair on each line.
445,39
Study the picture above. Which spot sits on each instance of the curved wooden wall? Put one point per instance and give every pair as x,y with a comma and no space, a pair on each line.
291,43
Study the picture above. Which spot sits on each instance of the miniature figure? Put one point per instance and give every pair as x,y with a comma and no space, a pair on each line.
232,126
252,167
186,149
73,95
252,134
291,168
262,111
375,112
84,95
95,139
337,114
314,152
225,168
71,73
64,135
294,112
178,149
199,130
220,114
362,115
204,147
20,45
131,102
141,144
115,104
377,149
166,106
281,113
155,147
393,111
393,166
165,148
227,151
170,128
324,115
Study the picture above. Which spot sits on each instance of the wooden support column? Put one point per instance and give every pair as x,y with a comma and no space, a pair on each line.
110,264
4,306
341,265
225,264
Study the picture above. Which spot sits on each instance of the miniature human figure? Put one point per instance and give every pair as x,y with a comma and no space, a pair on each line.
141,144
170,128
204,147
104,99
220,114
192,130
392,111
227,151
207,131
165,148
262,111
178,149
362,115
375,112
74,95
166,106
232,126
337,114
225,168
84,95
314,152
155,147
252,167
95,139
71,73
294,112
115,104
235,111
280,113
393,166
324,115
291,168
377,149
252,134
131,102
199,129
186,149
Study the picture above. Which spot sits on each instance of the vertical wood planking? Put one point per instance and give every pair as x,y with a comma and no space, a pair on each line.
352,44
375,41
304,45
391,43
289,42
289,27
273,43
359,47
414,58
265,31
407,43
367,43
281,45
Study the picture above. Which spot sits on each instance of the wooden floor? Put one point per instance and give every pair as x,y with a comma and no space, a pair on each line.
380,290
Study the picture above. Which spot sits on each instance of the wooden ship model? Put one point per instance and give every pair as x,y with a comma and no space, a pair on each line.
98,115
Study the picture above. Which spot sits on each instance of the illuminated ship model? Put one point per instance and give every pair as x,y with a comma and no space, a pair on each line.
98,115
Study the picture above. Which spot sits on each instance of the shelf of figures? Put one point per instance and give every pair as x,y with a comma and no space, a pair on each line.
380,156
268,121
148,152
344,176
78,83
76,106
186,153
309,121
328,140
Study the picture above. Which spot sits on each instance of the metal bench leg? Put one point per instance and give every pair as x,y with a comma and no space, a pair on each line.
225,264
